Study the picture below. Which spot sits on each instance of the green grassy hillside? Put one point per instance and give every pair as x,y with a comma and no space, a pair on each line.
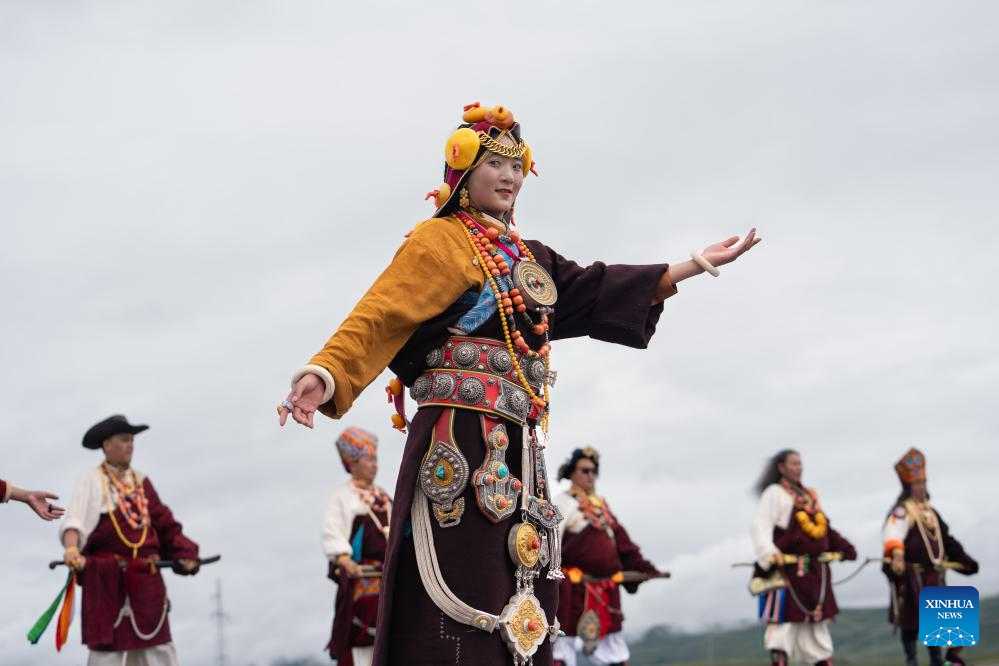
861,636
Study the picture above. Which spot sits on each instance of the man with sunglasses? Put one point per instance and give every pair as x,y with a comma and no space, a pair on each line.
596,551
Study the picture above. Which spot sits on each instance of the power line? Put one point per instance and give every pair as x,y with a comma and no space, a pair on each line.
220,617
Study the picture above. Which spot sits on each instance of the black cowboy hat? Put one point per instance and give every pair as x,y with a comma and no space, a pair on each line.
109,427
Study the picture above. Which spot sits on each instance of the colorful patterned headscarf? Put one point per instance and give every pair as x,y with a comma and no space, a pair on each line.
353,443
912,467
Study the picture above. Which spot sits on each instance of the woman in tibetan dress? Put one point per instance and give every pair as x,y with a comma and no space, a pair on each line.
465,315
597,554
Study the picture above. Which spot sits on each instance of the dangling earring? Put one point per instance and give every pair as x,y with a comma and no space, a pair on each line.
463,197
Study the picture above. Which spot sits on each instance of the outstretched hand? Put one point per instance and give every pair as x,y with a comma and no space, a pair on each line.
727,251
38,500
305,398
717,254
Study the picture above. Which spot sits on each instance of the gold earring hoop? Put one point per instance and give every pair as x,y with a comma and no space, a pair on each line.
463,197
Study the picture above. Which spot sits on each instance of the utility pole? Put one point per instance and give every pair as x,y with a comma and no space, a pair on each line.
220,619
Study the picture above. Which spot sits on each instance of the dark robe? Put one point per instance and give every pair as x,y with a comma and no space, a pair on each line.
610,303
598,555
908,586
105,583
808,584
357,599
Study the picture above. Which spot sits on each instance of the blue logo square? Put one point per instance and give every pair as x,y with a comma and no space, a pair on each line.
948,616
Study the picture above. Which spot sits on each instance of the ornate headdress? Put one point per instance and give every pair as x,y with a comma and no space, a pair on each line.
354,443
482,132
569,466
912,467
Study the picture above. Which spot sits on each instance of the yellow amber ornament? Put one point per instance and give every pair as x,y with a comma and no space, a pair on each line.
461,149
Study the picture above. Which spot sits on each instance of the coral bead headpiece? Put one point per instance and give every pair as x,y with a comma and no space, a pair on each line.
481,133
912,467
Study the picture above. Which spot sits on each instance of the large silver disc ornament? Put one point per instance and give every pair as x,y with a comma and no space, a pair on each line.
535,284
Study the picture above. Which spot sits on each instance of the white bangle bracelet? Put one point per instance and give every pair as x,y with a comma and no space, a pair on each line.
320,372
704,263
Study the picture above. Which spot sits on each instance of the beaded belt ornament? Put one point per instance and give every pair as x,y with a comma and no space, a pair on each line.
479,373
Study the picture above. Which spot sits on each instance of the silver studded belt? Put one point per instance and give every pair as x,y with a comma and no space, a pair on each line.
479,374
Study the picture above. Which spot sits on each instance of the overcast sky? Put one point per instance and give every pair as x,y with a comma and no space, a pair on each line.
193,195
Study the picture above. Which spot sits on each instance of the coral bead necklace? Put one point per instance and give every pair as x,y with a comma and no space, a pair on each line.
130,499
509,300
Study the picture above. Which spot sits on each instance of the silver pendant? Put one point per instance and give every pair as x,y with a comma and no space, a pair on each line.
496,489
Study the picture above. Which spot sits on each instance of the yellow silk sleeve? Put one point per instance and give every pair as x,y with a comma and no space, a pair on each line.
431,269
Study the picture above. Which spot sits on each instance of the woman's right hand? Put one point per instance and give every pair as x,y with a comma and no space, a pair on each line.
305,398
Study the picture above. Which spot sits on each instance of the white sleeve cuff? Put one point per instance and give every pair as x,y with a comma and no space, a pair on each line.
8,492
320,372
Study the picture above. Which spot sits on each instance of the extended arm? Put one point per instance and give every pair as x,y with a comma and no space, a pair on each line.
432,268
38,500
714,255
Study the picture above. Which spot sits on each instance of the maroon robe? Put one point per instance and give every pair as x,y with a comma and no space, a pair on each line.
105,583
610,303
357,599
598,555
908,586
812,583
3,489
